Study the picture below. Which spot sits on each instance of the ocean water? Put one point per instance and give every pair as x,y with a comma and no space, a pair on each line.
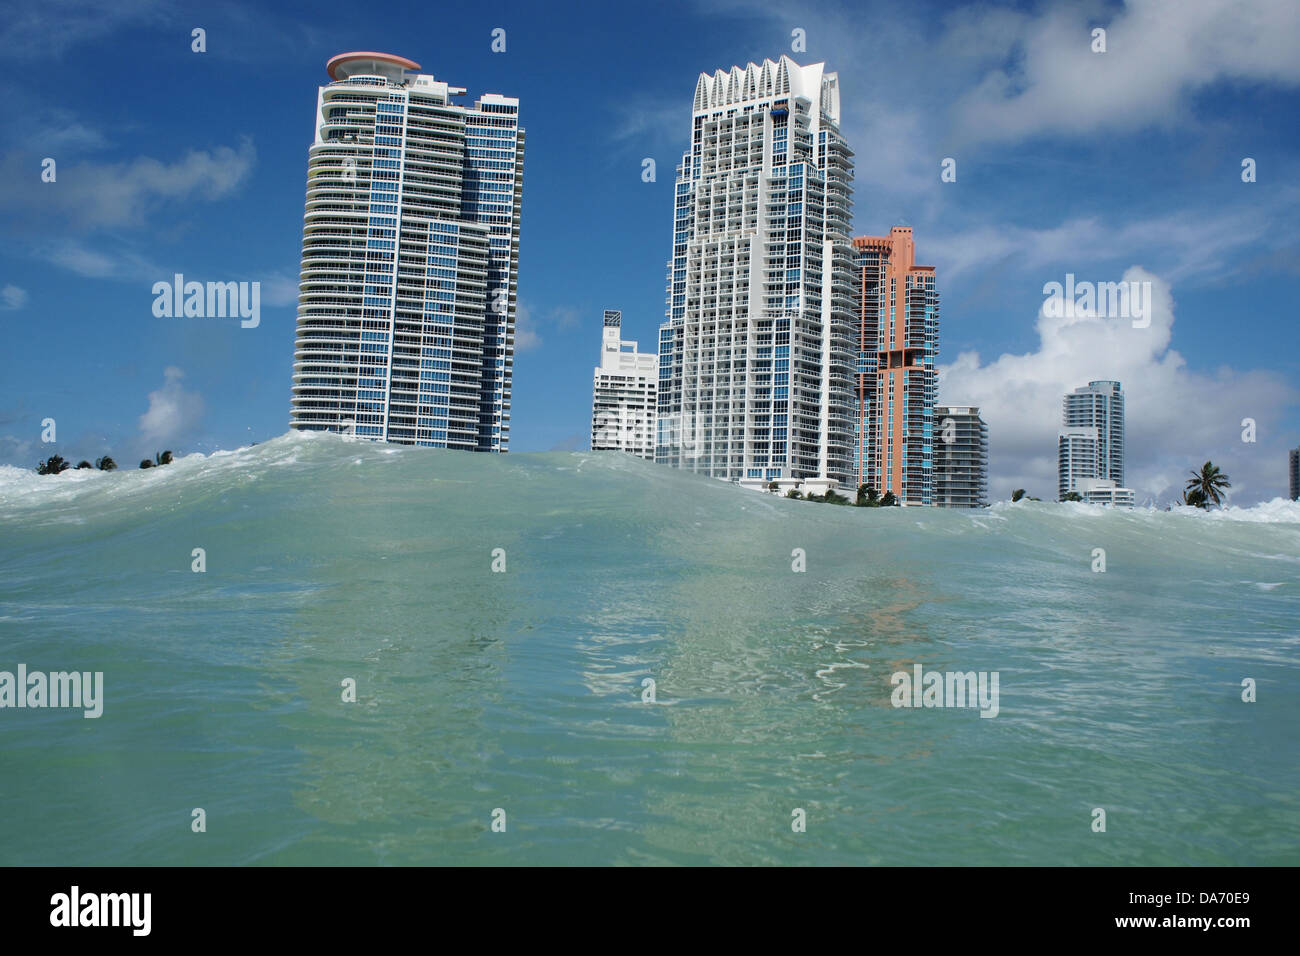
521,691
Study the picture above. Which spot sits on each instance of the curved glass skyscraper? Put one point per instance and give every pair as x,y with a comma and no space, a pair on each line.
406,309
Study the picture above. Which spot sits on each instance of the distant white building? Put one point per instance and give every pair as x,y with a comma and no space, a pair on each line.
1090,446
1103,491
623,394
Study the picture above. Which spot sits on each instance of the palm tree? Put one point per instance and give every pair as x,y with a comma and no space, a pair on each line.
1194,498
1207,485
1017,494
53,465
867,497
793,493
888,501
146,463
83,464
105,464
163,458
1072,496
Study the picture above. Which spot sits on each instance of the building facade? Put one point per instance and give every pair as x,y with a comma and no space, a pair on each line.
1090,445
755,358
406,310
961,458
623,392
1101,491
897,308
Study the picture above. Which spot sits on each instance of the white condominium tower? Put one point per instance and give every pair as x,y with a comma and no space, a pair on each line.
1090,447
410,255
756,358
623,394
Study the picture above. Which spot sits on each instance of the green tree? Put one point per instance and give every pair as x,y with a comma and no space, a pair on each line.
793,493
1017,494
867,497
1208,485
888,501
835,499
163,458
146,463
105,464
54,465
1072,496
83,464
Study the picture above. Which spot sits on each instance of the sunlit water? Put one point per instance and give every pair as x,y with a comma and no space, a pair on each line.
330,559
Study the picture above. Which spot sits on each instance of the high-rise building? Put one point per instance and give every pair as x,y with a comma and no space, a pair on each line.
1090,446
897,342
755,358
406,310
1295,474
623,394
961,458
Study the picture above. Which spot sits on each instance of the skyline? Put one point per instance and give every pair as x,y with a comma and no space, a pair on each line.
195,181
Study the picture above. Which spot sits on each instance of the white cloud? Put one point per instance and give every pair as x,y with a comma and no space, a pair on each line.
1175,418
94,195
114,261
55,26
12,297
1185,243
173,412
526,337
280,289
1157,53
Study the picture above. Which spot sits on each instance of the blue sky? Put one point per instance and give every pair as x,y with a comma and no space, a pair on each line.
1107,165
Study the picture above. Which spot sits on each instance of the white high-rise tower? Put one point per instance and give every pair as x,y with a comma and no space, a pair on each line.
406,309
1090,446
623,394
757,356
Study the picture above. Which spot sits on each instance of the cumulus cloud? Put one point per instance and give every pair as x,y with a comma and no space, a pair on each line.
173,411
1176,418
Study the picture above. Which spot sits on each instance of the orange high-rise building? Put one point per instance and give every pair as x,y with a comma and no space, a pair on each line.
898,339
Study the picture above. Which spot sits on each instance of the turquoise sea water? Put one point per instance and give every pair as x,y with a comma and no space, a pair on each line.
330,559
